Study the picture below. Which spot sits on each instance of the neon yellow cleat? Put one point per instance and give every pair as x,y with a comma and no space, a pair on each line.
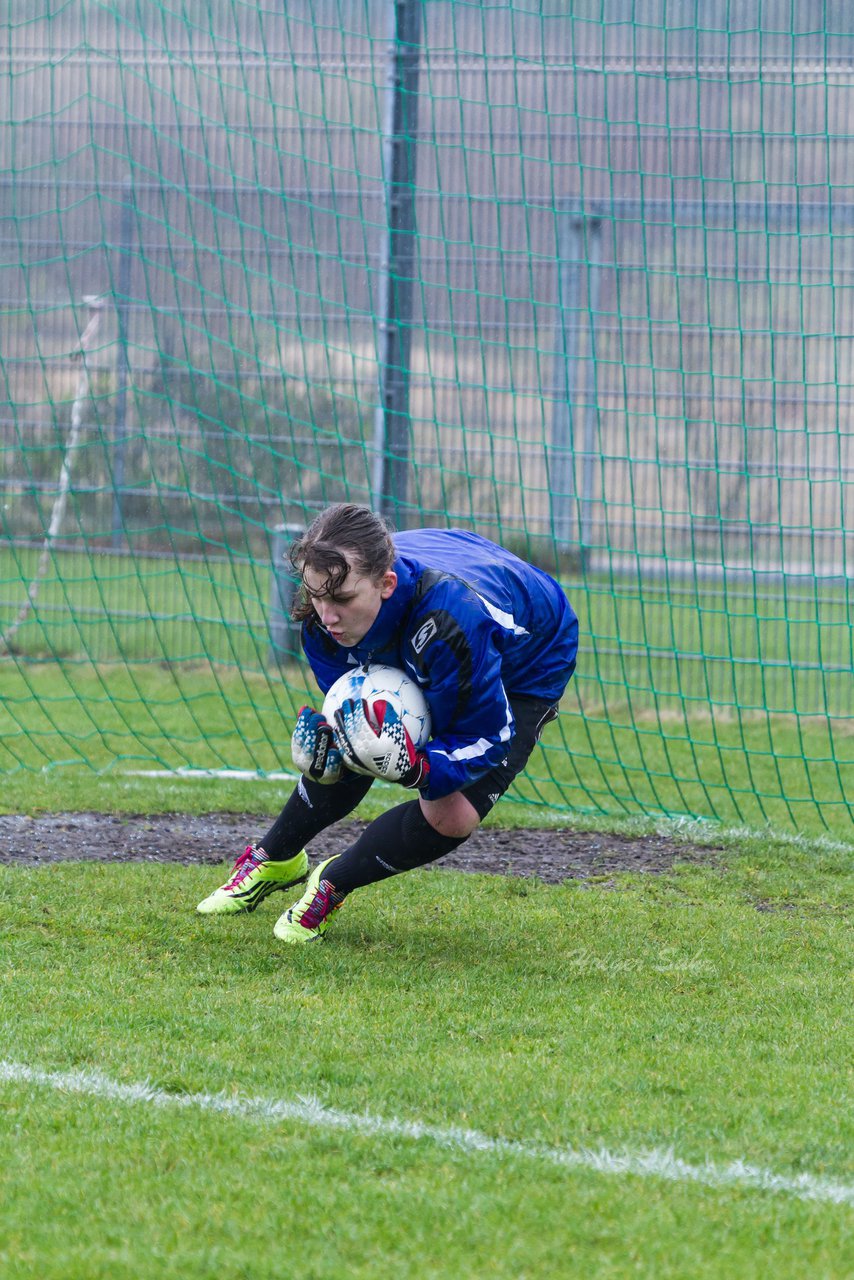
309,918
252,877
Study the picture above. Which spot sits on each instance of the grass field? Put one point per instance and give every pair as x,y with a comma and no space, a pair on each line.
729,701
472,1077
62,725
780,645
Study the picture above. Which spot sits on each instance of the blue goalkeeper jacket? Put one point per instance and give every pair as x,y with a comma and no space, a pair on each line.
475,626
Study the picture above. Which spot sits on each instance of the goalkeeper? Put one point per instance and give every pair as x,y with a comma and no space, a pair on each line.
492,642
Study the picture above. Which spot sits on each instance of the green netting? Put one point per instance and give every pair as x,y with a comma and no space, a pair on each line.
580,276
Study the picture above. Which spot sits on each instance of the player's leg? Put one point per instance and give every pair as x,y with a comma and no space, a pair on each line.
279,860
396,841
454,815
412,834
310,809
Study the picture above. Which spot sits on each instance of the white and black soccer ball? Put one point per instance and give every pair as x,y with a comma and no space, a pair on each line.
376,684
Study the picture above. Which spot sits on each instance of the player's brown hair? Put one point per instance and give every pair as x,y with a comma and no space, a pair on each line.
344,527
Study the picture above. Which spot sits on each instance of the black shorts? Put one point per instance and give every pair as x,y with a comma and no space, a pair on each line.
531,715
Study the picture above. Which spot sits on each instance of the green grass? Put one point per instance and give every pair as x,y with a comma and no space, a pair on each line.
782,646
707,1011
103,606
748,645
75,736
731,702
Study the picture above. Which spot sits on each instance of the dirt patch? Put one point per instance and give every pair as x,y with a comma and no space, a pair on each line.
552,855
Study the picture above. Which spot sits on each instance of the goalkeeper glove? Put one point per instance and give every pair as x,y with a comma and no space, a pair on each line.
314,749
379,744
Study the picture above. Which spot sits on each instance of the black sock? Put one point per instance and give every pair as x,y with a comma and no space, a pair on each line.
311,809
398,840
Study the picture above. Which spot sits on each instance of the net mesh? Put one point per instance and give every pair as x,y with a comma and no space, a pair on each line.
620,313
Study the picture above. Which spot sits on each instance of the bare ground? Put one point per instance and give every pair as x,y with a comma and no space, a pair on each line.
552,855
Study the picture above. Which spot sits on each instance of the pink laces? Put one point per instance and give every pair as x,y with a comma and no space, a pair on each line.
247,862
324,902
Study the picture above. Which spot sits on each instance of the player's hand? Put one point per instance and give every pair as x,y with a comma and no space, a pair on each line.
417,776
379,745
314,749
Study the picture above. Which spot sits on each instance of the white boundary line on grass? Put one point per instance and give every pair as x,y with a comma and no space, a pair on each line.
226,775
229,775
653,1163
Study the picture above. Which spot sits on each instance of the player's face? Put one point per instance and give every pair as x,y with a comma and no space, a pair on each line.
351,611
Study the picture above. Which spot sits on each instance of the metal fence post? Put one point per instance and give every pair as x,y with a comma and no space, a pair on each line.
574,405
122,360
590,453
561,454
284,632
392,427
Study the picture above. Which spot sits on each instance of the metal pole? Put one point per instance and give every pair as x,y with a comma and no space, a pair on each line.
591,404
284,632
392,428
561,456
123,361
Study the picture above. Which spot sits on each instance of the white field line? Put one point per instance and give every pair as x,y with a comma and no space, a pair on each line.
310,1113
228,775
240,775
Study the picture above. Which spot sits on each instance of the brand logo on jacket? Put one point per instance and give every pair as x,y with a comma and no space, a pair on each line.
424,634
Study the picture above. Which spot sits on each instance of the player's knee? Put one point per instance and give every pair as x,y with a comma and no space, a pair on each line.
452,816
